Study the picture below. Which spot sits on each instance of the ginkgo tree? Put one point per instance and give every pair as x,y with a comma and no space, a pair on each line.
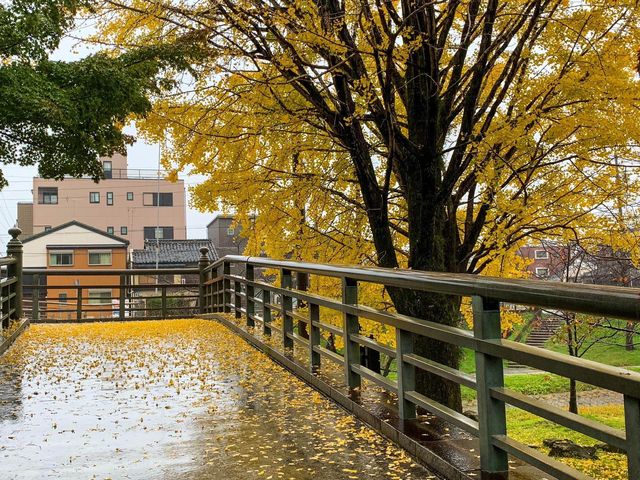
433,135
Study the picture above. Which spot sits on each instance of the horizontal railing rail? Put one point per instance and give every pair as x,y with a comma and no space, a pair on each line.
231,285
63,295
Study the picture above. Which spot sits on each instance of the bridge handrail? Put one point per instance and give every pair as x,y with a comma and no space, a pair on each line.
228,289
619,302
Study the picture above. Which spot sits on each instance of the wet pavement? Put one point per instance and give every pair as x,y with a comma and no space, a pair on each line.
179,399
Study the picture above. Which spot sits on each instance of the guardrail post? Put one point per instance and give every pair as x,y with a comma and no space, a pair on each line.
237,301
203,263
350,326
302,284
163,311
489,374
14,249
249,275
35,296
226,283
632,430
79,303
123,286
314,337
266,312
406,374
287,306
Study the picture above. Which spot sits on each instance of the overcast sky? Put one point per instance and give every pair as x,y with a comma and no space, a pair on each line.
140,155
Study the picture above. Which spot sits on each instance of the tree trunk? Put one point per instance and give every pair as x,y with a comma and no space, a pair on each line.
441,309
573,396
629,343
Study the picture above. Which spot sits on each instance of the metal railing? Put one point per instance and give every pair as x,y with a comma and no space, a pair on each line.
224,291
132,294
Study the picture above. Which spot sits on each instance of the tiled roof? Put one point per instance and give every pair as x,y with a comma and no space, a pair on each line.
173,252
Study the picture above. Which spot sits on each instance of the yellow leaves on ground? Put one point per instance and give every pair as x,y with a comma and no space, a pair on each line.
183,399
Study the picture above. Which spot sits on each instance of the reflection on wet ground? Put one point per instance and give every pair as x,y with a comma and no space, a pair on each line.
180,399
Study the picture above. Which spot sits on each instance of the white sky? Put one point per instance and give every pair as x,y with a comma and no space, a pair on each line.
140,155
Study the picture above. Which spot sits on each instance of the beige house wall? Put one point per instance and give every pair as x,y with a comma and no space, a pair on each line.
74,204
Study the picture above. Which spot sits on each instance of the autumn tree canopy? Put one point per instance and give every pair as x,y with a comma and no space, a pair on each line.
436,135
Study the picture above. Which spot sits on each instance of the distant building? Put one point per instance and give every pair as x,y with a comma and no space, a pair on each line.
133,204
171,254
76,246
226,236
552,261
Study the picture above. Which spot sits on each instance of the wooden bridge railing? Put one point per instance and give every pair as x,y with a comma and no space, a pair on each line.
230,285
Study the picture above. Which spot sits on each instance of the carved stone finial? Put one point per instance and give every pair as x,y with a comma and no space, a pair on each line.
15,232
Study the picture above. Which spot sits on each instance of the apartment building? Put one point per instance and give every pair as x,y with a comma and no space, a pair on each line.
226,236
134,204
75,246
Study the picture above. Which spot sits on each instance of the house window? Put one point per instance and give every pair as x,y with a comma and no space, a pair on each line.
542,272
48,195
99,257
151,199
129,196
109,198
161,233
62,298
124,230
94,197
107,167
99,296
57,259
541,254
230,232
47,228
110,230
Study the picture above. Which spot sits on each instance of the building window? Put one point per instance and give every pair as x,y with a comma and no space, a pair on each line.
47,228
48,195
542,272
62,298
129,196
94,197
109,198
99,296
230,232
151,199
110,230
541,254
124,230
107,167
99,257
57,259
160,233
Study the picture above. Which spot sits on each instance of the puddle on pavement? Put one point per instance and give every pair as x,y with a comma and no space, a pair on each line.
180,399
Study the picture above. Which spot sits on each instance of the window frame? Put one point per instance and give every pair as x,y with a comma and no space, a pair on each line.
129,196
91,199
164,229
545,255
110,199
108,172
156,199
542,275
231,231
111,230
124,230
47,193
99,300
99,252
60,252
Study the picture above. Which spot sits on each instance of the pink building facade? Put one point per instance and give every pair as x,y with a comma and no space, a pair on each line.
133,204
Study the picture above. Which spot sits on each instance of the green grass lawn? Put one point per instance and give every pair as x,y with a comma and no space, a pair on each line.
608,354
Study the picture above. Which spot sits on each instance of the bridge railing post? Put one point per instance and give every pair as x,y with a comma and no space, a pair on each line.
226,293
489,374
203,263
237,300
350,326
14,249
632,430
314,337
79,303
406,373
35,298
266,311
287,306
122,297
250,303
